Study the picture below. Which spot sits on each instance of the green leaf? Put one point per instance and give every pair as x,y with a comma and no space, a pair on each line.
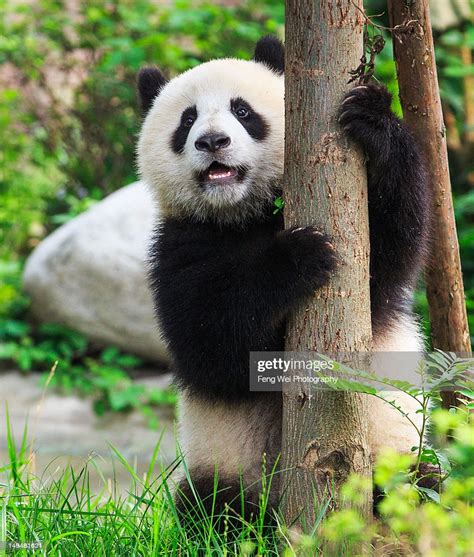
430,493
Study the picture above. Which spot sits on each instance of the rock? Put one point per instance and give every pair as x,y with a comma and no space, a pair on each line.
90,274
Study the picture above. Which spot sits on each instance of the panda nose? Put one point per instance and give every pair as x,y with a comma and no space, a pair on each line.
212,142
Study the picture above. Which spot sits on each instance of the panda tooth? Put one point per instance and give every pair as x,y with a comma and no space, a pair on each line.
216,174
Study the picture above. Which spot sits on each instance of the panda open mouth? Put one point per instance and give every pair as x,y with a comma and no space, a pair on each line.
220,174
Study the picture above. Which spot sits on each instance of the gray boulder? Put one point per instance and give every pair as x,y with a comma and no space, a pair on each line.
90,274
449,13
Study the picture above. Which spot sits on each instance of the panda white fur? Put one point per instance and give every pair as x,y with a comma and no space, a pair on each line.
225,275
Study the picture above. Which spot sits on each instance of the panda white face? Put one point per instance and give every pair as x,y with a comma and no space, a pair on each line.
212,142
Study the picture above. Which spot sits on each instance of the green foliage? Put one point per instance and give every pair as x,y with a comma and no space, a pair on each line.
12,302
414,522
436,372
279,203
416,519
451,67
76,367
29,177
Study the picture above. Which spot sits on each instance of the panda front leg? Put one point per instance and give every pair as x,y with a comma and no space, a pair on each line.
398,219
297,262
398,199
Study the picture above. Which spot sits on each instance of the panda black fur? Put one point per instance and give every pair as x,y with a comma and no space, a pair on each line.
225,274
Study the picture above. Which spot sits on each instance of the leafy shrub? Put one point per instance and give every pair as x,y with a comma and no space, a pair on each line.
71,364
412,521
29,178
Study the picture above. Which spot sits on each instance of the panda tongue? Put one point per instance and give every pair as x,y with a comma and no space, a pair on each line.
219,172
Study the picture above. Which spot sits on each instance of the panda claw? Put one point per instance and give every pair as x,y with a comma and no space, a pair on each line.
351,96
341,118
348,99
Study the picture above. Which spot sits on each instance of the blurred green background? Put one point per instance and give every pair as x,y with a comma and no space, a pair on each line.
69,120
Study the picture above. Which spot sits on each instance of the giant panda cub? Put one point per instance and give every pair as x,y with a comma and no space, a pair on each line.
225,274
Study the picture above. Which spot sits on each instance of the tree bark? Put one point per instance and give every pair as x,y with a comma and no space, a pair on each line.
420,100
325,433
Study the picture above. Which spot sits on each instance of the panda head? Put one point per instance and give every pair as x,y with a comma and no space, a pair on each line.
211,145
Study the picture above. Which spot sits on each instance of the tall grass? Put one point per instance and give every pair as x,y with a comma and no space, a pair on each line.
63,514
80,512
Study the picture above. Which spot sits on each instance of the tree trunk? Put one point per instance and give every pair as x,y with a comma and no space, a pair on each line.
419,96
325,433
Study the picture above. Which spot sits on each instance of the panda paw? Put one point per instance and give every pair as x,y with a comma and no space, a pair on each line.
366,117
312,253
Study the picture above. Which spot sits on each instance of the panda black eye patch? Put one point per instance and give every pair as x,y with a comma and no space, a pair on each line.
180,135
253,122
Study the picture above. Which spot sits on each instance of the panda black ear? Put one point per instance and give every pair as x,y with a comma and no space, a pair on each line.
150,81
271,52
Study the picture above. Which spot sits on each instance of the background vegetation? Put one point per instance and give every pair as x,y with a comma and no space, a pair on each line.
69,119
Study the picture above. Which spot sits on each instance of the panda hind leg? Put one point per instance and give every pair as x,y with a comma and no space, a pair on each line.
227,501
